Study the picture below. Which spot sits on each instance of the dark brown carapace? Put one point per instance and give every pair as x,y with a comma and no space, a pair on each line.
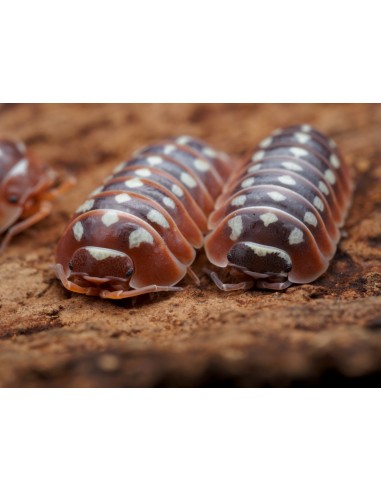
27,187
138,232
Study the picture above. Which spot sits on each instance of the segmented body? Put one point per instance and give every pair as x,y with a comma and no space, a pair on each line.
137,233
278,219
27,187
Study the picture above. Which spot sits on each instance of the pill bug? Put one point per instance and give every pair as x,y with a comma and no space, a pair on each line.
27,187
137,233
277,221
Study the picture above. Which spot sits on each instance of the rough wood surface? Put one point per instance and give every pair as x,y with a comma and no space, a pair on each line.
325,333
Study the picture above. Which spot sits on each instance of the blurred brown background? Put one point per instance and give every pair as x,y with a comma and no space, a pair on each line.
326,333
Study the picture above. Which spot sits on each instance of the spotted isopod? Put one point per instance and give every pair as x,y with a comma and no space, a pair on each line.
27,187
277,221
138,232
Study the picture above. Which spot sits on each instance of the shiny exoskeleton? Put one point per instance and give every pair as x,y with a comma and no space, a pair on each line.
277,221
27,187
137,233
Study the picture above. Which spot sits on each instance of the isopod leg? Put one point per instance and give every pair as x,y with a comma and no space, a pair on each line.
193,276
261,284
124,294
89,291
44,211
229,287
61,189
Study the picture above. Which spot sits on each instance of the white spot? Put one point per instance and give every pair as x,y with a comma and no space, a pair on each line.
267,250
139,236
19,169
276,196
144,173
102,253
318,203
302,137
268,218
85,207
183,140
122,198
97,190
258,155
78,231
296,236
334,160
110,218
292,166
266,142
188,180
310,218
239,201
306,128
158,218
298,152
247,182
323,188
119,168
254,168
169,202
177,190
201,165
236,227
168,149
330,177
287,180
154,160
209,152
133,183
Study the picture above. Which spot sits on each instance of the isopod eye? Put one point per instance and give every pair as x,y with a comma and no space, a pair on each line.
13,199
259,258
129,272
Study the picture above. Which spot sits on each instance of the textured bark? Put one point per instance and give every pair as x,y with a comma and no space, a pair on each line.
325,333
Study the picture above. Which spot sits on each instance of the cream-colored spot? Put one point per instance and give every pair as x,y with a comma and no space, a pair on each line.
139,236
169,202
298,152
334,160
158,218
154,160
20,168
78,231
296,236
236,227
258,155
177,190
239,201
201,165
318,203
330,177
260,250
183,140
268,218
133,183
209,152
188,180
100,254
85,207
266,142
276,196
287,180
122,198
143,173
310,218
119,168
306,128
323,188
247,182
168,149
254,168
302,137
109,218
97,190
292,166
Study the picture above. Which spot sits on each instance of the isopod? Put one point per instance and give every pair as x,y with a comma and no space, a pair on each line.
278,219
27,188
138,232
